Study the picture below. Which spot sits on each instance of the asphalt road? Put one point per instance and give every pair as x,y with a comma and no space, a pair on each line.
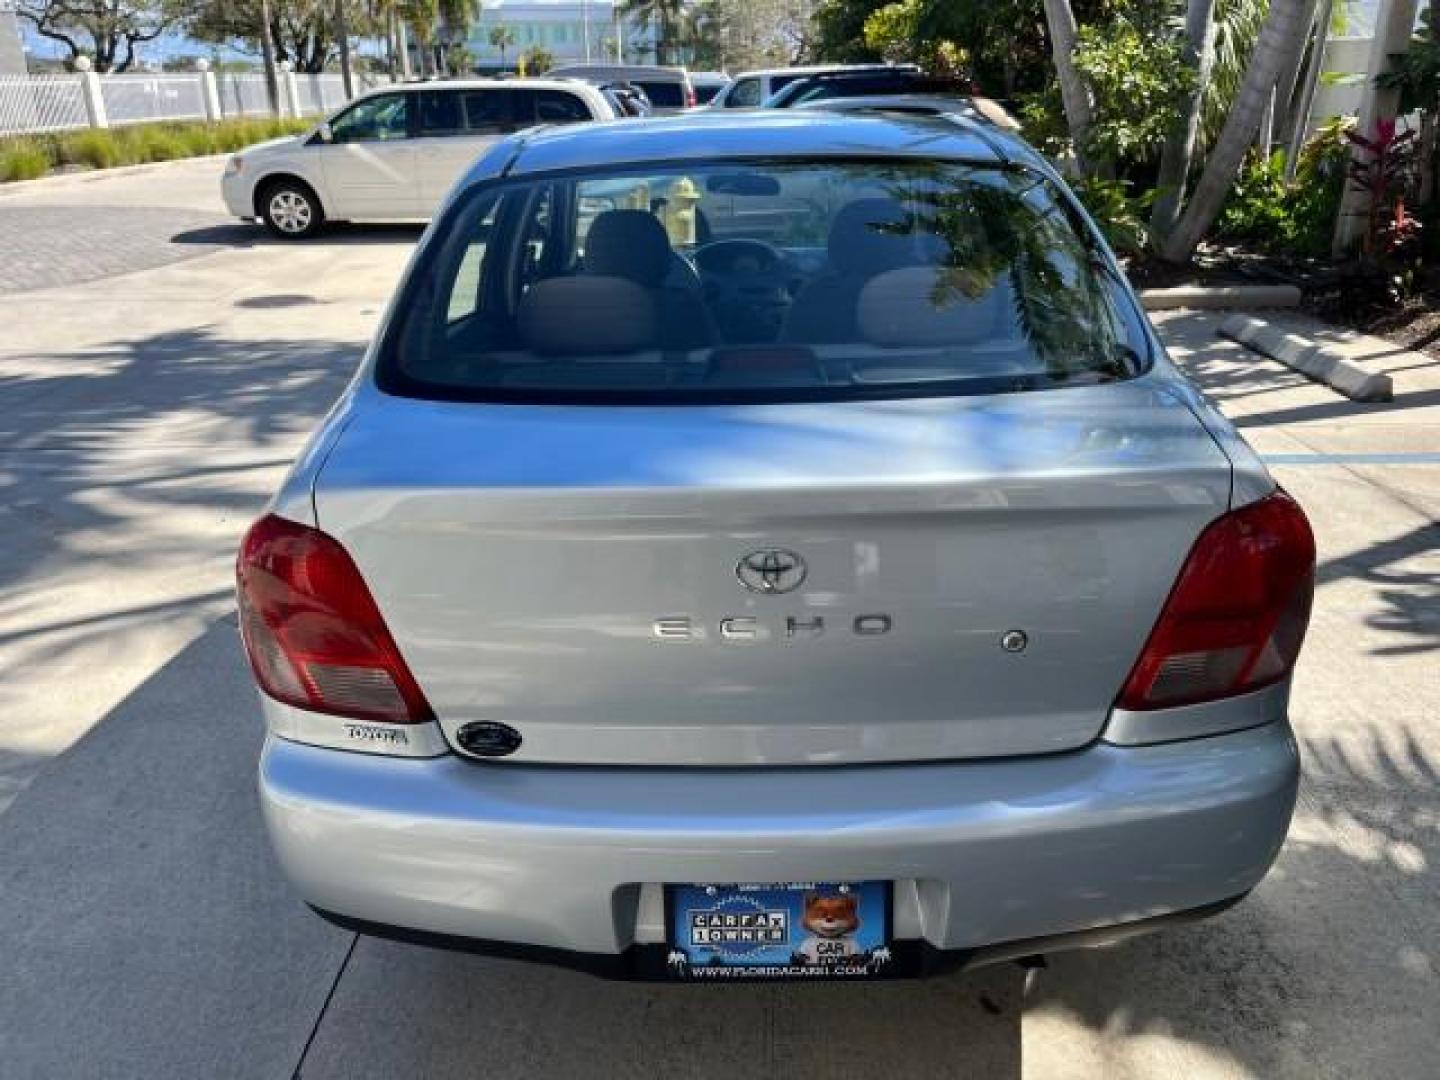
147,408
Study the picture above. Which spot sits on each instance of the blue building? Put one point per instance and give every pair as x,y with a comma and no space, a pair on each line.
573,31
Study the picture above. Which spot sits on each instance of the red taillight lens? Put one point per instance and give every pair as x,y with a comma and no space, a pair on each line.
1236,617
313,633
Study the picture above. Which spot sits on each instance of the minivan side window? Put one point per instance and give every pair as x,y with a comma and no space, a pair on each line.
548,107
440,114
376,119
487,110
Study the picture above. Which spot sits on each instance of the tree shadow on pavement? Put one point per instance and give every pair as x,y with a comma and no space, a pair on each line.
188,420
1328,970
140,895
1405,575
245,234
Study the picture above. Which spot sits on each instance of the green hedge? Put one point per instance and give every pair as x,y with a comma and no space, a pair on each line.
29,156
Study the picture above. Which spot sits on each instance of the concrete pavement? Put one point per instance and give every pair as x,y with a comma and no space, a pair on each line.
144,930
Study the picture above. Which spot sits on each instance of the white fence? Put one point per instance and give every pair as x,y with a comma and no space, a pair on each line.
41,103
135,99
30,104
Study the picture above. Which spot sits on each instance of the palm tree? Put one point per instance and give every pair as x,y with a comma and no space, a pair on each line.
455,19
1281,34
1179,152
501,38
342,38
660,13
1074,94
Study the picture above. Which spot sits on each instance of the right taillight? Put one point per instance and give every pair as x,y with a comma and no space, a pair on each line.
1236,617
313,632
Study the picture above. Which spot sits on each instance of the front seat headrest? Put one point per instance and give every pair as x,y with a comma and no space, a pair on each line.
630,244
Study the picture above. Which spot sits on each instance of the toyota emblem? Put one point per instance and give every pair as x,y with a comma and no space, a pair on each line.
771,570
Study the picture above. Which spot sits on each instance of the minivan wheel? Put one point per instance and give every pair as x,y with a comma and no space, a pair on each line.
290,210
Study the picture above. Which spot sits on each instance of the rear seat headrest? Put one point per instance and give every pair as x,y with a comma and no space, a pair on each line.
872,235
915,306
588,315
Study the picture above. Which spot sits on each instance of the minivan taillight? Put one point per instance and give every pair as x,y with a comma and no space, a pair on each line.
312,631
1236,617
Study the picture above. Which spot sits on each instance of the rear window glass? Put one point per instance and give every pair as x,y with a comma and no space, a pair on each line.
663,95
751,281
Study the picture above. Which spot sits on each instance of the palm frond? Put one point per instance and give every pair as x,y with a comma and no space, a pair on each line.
1237,28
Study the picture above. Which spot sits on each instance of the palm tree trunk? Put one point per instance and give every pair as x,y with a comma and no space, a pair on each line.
1299,124
1074,94
342,38
1280,34
267,55
1179,152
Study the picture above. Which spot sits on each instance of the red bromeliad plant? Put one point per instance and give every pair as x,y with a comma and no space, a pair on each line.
1385,175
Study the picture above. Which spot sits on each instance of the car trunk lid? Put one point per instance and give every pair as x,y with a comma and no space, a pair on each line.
908,580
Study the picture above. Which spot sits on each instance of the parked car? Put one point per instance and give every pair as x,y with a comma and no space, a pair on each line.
970,106
760,549
394,153
668,88
707,84
835,84
750,89
628,99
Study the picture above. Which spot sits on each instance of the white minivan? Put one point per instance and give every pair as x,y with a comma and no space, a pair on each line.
393,153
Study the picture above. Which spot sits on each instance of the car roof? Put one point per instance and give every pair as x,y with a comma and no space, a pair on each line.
715,134
537,82
982,108
816,69
644,71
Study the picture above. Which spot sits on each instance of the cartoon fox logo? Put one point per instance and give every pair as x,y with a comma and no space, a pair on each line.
831,922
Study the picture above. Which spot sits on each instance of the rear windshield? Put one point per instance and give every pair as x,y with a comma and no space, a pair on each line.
760,281
663,95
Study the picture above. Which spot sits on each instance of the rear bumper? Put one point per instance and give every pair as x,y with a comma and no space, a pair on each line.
988,858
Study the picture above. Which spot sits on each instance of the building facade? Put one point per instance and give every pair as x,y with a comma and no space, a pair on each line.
572,31
12,52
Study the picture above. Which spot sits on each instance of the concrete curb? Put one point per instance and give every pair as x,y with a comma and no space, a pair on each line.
1323,363
1211,297
81,176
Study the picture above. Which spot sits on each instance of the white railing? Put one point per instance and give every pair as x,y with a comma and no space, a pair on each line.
31,104
319,94
35,103
134,99
245,95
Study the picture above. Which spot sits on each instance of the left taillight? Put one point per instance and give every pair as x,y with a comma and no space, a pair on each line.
312,631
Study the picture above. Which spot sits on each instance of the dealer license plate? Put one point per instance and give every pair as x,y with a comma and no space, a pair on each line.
802,930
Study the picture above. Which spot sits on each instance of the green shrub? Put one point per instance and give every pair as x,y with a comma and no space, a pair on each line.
22,159
1120,217
198,141
1293,217
94,148
151,142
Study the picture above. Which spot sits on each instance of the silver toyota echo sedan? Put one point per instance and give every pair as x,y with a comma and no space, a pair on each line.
773,546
